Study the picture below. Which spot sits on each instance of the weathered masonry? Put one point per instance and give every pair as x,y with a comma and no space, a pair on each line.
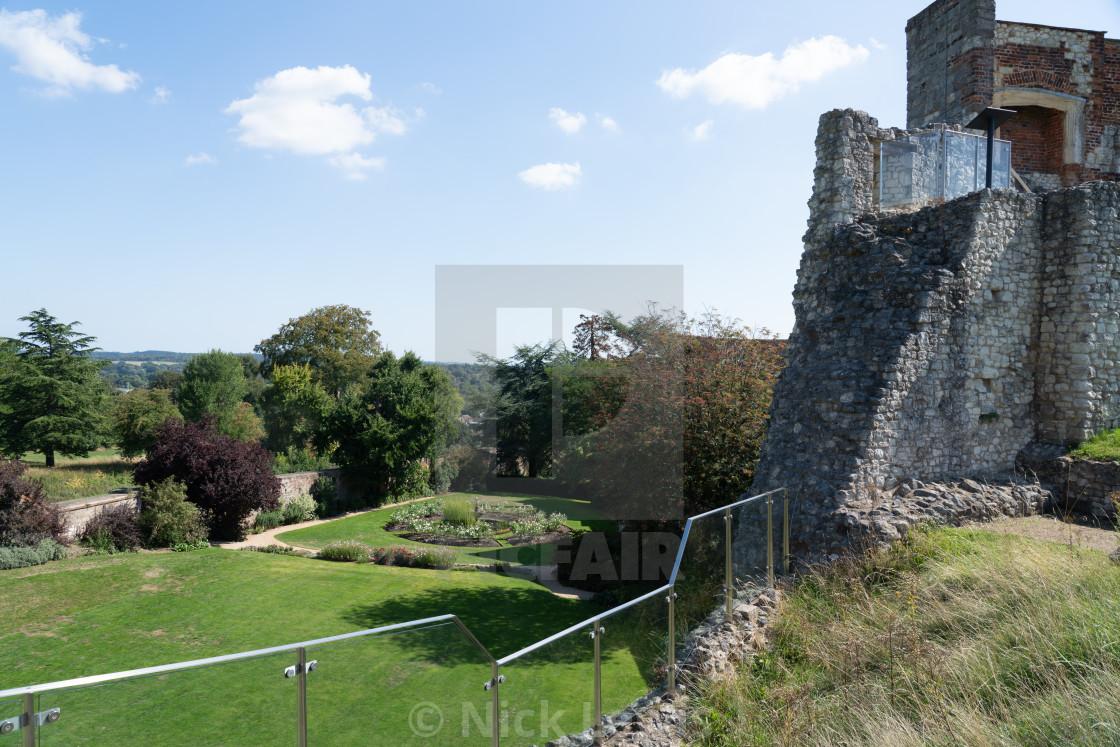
1063,83
933,346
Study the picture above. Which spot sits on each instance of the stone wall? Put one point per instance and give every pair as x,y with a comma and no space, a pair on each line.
298,483
935,345
1083,486
79,512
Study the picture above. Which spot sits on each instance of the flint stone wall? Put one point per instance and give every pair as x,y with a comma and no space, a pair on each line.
936,345
1084,486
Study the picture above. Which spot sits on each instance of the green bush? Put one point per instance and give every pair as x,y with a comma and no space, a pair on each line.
433,557
167,517
414,485
22,556
276,550
268,520
300,508
443,475
325,495
347,551
459,511
298,460
199,544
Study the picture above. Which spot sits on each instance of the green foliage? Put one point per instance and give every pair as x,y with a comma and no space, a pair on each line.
540,523
326,496
169,379
21,556
167,518
214,384
443,475
266,520
406,412
475,384
347,551
299,509
136,415
459,511
1104,445
415,557
293,407
275,550
336,342
299,460
198,544
522,411
51,398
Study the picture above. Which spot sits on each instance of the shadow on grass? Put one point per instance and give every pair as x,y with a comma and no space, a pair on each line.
503,620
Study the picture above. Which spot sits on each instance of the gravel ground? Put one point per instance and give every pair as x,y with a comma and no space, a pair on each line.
1081,532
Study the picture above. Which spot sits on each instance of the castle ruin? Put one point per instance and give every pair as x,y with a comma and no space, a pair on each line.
934,347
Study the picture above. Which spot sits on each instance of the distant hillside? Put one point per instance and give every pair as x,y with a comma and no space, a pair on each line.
134,370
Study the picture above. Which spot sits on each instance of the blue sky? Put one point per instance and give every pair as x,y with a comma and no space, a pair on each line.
189,176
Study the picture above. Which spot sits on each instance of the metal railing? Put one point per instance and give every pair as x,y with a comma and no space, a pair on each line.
147,713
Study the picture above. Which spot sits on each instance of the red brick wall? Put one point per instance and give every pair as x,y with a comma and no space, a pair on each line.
1036,140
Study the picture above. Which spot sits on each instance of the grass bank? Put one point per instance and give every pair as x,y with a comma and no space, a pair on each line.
953,637
101,614
1104,445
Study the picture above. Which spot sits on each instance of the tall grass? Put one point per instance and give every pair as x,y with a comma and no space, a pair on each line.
951,637
102,472
459,511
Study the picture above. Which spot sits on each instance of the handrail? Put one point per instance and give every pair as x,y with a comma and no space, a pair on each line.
196,663
495,663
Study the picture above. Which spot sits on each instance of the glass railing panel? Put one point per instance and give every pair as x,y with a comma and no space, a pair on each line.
549,693
959,165
1001,165
10,709
633,654
701,579
242,702
419,686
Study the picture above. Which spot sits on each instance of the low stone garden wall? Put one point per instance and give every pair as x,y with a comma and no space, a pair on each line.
1083,486
79,512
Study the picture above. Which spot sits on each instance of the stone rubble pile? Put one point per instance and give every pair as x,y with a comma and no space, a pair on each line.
712,650
891,514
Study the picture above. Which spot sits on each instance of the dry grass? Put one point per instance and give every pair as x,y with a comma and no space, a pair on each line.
954,637
100,473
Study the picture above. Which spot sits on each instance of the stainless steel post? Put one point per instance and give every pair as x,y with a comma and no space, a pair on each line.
728,589
598,685
29,720
672,652
770,540
301,697
785,539
495,708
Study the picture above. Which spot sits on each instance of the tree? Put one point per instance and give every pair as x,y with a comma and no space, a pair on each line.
213,384
406,412
293,408
523,410
594,339
227,479
168,379
137,415
337,342
52,398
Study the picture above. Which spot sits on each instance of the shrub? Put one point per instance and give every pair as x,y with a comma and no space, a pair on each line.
26,555
25,516
113,530
227,479
458,511
538,524
275,550
414,484
296,459
418,510
167,518
325,495
434,557
391,556
345,550
300,508
268,520
444,473
188,546
417,557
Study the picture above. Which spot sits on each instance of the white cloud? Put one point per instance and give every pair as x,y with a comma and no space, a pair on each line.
53,50
298,110
756,81
607,123
569,123
877,44
552,175
431,88
200,158
703,131
355,165
160,96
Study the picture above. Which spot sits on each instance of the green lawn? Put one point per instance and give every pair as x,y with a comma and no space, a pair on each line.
102,471
369,529
99,614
